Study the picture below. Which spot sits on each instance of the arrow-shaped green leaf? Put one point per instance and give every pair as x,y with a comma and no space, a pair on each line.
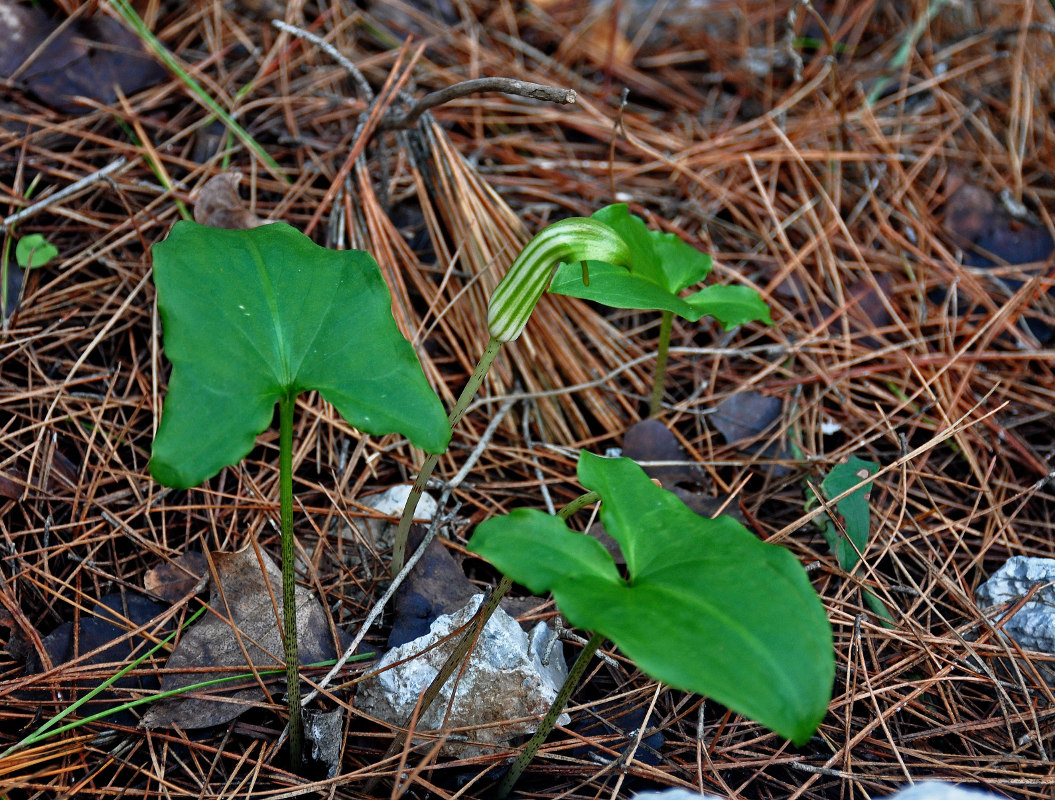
252,316
707,608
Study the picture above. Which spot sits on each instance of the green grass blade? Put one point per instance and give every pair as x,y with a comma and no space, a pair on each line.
128,14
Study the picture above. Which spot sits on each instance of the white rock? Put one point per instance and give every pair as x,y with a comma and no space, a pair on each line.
675,794
505,679
390,503
1033,627
924,790
936,790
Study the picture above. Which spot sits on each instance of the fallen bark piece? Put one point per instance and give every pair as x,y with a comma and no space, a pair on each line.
505,679
324,731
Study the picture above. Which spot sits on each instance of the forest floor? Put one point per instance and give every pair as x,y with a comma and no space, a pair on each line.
880,172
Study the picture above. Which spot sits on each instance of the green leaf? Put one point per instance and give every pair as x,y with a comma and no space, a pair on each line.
707,608
251,316
853,509
661,258
730,305
34,251
617,288
663,266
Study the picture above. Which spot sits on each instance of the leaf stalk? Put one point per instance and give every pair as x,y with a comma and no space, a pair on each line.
399,548
659,381
289,583
550,720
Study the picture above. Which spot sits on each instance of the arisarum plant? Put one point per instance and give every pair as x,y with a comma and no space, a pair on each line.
705,606
664,267
575,240
253,318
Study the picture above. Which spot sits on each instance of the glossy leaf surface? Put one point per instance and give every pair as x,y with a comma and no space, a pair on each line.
251,316
707,607
663,266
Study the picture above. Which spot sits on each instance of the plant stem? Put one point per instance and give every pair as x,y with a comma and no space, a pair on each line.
578,504
550,720
659,381
289,583
399,549
468,640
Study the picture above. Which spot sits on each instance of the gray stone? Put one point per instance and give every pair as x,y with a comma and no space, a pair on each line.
924,790
324,731
1033,627
505,679
380,532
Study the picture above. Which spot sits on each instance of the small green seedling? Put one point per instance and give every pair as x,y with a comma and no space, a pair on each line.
34,251
31,251
706,606
663,267
856,517
253,318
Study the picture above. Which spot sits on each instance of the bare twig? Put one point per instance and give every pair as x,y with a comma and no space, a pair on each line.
360,79
550,94
62,194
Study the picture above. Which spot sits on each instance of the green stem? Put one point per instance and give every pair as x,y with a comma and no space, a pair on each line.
399,549
578,504
8,236
289,583
461,650
659,382
550,720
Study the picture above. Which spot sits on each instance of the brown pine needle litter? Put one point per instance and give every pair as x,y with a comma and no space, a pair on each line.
815,152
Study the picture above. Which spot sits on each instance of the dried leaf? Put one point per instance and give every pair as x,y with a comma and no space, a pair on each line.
748,419
219,206
746,415
108,621
172,580
89,58
437,586
244,617
651,440
988,234
60,472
